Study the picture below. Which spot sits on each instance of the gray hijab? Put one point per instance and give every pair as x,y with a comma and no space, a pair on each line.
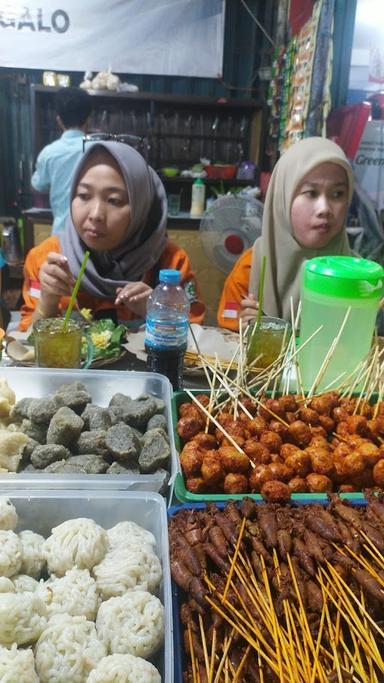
146,238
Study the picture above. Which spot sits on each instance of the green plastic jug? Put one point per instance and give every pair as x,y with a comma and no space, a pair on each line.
329,286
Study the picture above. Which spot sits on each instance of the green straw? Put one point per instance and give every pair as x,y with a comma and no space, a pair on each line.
75,290
261,291
260,297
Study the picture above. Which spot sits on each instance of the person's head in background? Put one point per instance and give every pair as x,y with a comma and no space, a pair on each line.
73,107
304,216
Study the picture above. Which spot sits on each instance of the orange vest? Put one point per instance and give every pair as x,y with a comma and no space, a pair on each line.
172,257
235,289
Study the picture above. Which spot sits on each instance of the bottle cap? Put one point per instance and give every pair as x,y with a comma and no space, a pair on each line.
198,181
343,276
170,276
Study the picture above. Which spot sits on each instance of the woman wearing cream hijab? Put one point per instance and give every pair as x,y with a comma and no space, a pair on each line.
304,216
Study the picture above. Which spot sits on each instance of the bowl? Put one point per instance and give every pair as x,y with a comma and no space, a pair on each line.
169,172
221,171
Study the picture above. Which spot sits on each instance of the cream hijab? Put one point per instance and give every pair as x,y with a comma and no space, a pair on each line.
284,255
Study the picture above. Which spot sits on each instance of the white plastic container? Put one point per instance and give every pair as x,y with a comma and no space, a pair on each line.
101,384
41,510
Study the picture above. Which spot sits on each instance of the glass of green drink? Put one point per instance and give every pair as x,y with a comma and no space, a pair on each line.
265,343
57,346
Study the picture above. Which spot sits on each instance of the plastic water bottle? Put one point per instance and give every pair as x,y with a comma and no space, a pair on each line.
166,330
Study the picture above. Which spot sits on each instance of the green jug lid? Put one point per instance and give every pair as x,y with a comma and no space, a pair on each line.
343,276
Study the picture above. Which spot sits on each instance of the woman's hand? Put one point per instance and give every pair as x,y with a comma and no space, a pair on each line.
134,297
56,280
248,309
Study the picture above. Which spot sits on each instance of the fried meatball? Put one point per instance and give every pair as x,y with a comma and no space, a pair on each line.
236,483
347,488
309,416
369,452
378,473
272,407
341,450
257,426
319,431
232,460
290,417
280,471
191,461
212,469
288,403
240,440
321,461
288,449
196,485
321,404
188,409
352,465
299,463
300,433
189,426
327,423
340,414
298,485
321,442
258,453
205,441
279,428
203,399
342,428
258,477
276,492
357,424
318,483
272,441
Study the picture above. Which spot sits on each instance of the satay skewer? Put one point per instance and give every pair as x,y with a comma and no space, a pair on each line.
227,645
204,643
192,652
241,665
234,559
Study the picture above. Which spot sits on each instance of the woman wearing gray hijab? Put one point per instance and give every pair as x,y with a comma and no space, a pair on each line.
119,214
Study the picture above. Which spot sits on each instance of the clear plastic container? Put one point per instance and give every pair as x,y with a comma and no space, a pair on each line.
41,510
101,384
331,286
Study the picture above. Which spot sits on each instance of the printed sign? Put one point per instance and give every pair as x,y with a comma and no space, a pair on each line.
165,37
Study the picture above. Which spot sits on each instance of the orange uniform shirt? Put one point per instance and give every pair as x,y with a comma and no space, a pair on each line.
172,257
235,289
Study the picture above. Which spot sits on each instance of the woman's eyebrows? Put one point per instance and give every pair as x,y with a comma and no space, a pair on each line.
111,188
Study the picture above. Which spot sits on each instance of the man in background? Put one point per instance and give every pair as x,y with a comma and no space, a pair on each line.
56,162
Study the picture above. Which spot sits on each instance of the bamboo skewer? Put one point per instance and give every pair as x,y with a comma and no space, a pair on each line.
233,561
216,423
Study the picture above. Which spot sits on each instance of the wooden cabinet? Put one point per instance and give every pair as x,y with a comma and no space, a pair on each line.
175,130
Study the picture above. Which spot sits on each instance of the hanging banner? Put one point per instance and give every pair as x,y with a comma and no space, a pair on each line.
164,37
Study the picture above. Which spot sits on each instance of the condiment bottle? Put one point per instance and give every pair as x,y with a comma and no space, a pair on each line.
198,198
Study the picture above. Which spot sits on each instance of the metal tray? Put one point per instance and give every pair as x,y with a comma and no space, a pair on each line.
101,384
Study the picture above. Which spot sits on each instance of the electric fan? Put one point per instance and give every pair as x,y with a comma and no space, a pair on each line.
228,227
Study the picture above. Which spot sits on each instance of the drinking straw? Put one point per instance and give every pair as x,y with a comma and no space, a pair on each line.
75,290
261,291
260,297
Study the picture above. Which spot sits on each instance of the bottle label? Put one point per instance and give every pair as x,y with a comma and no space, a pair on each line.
166,334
